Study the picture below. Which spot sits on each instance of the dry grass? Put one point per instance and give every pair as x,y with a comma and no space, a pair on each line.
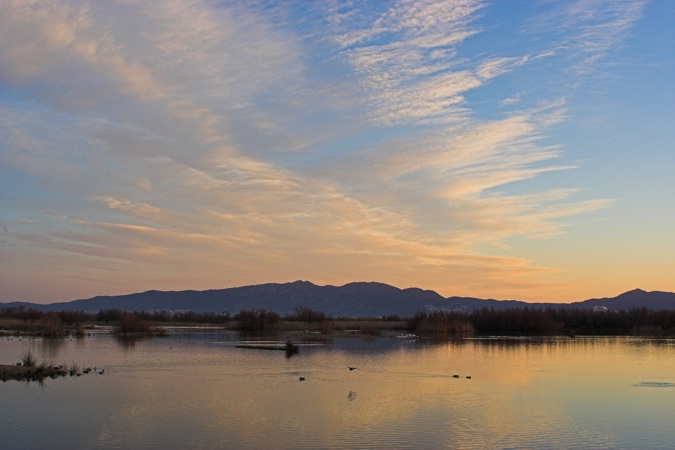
28,359
11,324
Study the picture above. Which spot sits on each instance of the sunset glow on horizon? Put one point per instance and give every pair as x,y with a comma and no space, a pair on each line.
507,150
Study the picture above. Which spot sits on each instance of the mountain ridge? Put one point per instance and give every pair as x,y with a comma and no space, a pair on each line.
355,299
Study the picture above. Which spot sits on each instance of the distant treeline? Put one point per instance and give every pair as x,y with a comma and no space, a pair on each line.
56,324
246,320
550,321
525,321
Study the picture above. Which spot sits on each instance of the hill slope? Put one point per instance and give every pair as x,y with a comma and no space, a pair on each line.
350,300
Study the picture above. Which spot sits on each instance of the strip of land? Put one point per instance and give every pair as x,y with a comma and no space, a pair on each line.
25,373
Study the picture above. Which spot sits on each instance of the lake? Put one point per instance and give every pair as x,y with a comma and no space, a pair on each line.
196,389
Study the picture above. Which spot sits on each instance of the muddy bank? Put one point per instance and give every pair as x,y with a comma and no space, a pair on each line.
35,373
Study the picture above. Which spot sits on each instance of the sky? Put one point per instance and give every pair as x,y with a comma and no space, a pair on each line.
494,149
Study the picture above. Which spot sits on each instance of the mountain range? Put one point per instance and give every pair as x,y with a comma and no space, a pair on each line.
361,299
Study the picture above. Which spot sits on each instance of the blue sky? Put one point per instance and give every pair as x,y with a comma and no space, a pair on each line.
491,149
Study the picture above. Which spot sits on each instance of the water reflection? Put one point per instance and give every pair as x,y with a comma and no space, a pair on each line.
128,341
197,389
49,349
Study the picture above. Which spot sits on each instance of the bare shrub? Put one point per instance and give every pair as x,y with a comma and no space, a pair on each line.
128,324
52,326
257,320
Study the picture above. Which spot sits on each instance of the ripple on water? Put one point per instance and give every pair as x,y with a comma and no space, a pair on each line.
191,391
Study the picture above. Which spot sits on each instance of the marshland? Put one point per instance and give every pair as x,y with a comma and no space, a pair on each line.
350,383
482,322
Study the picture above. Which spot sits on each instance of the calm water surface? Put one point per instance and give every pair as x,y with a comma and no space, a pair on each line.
195,389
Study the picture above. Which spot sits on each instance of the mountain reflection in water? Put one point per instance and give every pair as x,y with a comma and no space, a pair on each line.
196,389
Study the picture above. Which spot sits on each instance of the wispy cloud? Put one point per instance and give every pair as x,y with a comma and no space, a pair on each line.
403,57
187,136
589,31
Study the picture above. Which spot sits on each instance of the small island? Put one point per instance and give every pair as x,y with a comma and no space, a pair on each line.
29,370
20,372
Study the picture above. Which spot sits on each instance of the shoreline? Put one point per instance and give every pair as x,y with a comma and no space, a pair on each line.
25,373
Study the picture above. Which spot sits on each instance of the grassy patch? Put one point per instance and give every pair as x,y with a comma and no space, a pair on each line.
28,359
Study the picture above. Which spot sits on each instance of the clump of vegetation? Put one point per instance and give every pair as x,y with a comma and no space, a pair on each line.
257,320
42,368
28,359
129,323
52,326
132,324
370,330
74,369
305,314
441,323
29,370
291,349
304,318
